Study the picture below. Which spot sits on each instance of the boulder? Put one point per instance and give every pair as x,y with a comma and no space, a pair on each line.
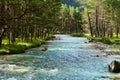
85,42
114,66
97,55
90,41
44,48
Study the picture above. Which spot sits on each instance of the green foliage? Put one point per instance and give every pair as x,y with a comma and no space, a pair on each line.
105,40
71,19
49,37
20,47
78,34
101,18
28,19
12,49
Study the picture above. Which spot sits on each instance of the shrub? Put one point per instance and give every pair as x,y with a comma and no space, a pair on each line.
106,40
78,34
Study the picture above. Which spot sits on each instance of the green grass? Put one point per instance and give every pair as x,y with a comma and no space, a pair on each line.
49,37
105,40
11,49
78,34
20,47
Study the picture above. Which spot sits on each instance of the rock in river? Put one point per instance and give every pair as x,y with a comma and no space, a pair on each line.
114,66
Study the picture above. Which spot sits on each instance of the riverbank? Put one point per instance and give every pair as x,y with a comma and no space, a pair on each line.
112,42
109,47
105,40
105,44
20,47
108,50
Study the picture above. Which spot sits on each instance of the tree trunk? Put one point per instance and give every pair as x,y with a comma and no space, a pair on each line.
2,22
97,29
91,29
117,30
104,29
1,35
111,32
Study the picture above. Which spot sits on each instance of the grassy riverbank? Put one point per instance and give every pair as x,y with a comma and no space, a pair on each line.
105,40
20,46
113,42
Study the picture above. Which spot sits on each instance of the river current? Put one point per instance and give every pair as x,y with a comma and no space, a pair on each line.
67,58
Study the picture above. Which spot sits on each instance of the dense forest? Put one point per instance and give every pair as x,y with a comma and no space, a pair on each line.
101,18
71,19
28,21
71,3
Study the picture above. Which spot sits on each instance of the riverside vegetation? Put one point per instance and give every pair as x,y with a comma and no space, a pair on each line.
30,22
20,47
25,23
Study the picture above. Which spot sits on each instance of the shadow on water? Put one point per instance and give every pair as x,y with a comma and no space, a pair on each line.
67,58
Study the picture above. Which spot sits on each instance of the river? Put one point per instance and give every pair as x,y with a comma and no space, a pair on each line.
69,58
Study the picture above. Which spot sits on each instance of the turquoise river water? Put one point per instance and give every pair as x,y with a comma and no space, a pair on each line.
69,58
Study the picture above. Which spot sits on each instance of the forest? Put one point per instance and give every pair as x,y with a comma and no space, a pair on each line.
28,23
102,19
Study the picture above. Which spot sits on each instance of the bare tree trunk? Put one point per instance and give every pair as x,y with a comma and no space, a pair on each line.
1,35
97,29
2,22
90,25
104,29
117,31
111,32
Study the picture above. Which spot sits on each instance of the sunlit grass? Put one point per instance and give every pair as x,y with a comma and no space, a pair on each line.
106,40
5,41
21,46
4,50
13,48
24,43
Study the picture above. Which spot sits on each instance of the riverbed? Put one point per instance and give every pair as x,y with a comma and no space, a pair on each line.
67,58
